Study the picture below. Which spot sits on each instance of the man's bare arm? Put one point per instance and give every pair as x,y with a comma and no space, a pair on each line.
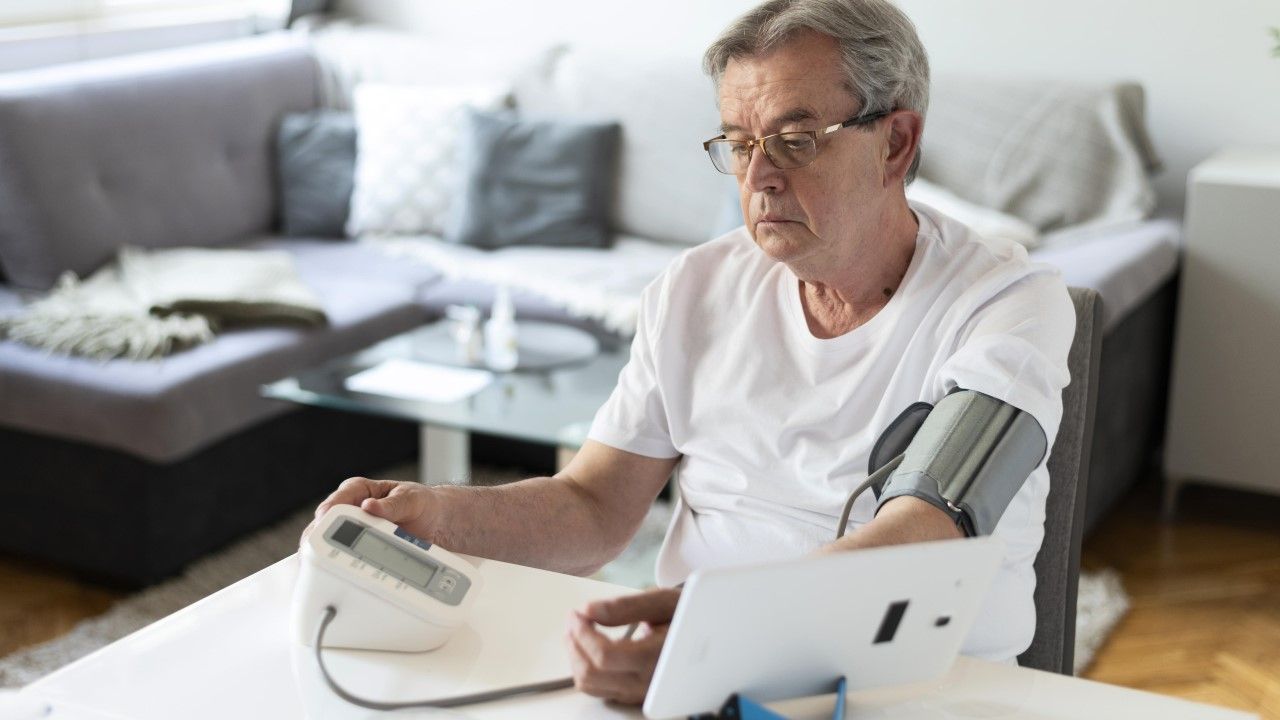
902,520
573,522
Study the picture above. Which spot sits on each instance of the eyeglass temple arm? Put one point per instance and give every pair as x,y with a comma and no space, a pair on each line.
859,120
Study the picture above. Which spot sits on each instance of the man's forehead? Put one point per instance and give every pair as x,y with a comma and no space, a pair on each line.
730,122
800,80
783,104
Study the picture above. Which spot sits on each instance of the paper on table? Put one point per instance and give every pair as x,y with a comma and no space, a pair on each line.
419,381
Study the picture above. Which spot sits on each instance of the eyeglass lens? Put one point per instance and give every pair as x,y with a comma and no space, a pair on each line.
786,151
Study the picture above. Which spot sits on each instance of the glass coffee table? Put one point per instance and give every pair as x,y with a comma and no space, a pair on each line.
551,403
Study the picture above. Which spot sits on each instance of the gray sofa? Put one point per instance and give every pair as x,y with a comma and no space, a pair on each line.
128,470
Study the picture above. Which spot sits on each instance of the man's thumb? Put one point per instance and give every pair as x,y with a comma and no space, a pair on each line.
394,507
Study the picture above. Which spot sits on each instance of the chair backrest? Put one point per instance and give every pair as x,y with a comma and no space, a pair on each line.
1057,565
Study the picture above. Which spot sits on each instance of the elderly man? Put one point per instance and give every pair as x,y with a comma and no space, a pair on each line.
767,362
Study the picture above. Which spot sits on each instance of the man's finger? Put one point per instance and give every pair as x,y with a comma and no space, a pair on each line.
350,492
354,491
629,691
605,653
607,686
652,606
401,505
621,686
652,644
585,660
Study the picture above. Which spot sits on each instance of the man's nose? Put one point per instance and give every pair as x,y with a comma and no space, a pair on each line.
762,175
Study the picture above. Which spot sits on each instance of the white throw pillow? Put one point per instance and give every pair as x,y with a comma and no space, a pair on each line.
406,148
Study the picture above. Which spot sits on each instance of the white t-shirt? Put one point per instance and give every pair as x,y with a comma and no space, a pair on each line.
775,426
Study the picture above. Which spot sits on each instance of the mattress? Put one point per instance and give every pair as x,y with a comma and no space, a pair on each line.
1125,265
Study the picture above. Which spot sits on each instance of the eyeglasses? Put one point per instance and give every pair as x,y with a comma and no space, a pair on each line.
787,150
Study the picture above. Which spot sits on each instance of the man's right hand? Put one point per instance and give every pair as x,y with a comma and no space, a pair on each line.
595,504
404,503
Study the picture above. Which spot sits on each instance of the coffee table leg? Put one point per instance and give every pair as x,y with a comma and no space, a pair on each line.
444,455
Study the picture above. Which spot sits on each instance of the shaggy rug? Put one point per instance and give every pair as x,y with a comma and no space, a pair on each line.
1102,600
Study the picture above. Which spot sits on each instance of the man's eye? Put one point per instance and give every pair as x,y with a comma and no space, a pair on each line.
795,144
739,149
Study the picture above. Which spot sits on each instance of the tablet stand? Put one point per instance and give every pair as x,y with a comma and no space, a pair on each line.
741,707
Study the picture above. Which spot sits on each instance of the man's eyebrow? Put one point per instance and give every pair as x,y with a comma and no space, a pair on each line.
796,115
793,115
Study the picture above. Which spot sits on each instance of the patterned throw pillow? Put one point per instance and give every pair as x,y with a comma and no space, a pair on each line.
406,148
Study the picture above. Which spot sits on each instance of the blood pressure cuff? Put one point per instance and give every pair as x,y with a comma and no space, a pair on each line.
967,456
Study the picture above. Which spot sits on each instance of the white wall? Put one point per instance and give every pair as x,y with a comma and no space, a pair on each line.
36,50
1207,66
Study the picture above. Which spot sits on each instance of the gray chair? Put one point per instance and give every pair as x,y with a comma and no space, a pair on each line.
1058,563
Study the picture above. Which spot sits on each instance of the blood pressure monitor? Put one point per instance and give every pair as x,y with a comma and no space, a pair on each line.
366,584
391,590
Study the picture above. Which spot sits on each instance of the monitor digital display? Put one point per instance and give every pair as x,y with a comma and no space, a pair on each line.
394,560
347,533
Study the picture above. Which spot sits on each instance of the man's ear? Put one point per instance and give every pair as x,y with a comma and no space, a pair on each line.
904,128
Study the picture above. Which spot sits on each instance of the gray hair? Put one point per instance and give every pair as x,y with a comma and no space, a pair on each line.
885,64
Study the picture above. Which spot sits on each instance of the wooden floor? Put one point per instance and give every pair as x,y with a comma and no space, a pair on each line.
38,603
1205,591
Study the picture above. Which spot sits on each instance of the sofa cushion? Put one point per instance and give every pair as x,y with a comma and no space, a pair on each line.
1054,153
154,150
534,182
667,189
166,409
317,152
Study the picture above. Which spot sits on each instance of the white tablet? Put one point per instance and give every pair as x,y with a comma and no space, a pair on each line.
789,629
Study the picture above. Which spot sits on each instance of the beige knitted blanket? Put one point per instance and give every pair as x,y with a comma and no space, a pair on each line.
150,303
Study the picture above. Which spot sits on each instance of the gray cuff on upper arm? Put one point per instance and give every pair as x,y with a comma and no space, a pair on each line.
969,458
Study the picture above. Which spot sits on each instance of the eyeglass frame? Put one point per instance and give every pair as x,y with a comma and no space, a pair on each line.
813,135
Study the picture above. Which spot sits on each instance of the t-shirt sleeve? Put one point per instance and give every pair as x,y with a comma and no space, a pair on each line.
1014,347
634,418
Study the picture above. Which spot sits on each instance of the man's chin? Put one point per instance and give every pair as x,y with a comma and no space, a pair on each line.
781,245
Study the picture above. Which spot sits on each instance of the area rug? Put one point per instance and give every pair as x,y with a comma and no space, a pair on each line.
1102,601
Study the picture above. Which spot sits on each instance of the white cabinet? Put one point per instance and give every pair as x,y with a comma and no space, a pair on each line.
1224,404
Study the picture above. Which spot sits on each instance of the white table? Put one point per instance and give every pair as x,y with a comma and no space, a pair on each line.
230,656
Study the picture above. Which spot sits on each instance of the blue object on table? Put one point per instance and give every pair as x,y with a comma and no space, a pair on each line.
741,707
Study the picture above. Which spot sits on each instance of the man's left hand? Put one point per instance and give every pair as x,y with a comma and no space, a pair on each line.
620,669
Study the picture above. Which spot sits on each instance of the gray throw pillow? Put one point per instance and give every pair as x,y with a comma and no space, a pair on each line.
317,161
534,182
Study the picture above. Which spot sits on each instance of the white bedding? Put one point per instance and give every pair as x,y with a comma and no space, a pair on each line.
1124,265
